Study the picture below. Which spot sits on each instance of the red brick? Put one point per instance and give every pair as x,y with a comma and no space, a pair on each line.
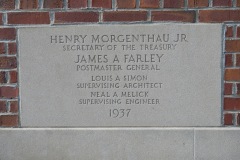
7,4
181,16
8,62
238,89
232,74
238,32
126,3
71,17
125,16
222,3
102,3
228,119
28,4
3,78
3,106
173,3
229,32
198,3
149,4
232,46
53,4
8,92
13,76
219,15
12,48
228,60
231,104
238,60
7,34
228,88
77,3
28,18
9,121
2,48
1,18
14,106
238,3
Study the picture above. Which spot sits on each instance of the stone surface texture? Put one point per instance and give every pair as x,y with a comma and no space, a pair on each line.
190,94
120,143
96,144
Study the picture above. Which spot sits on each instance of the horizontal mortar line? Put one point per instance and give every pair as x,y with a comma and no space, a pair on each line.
233,67
231,81
9,100
7,41
227,22
28,25
145,22
104,22
119,9
232,111
7,55
7,70
100,23
9,85
84,11
8,114
231,52
75,23
52,10
233,38
231,126
124,127
103,9
231,96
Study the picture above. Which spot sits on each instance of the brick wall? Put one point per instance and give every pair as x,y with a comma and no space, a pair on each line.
18,13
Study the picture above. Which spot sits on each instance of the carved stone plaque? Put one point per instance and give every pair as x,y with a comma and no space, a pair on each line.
121,75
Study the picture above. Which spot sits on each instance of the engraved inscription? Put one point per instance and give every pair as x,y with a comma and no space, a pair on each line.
98,85
120,75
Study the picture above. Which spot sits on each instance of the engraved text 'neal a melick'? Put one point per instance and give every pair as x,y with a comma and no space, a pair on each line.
156,75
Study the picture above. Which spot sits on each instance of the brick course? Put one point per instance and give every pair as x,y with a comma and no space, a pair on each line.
126,16
232,103
149,3
28,4
228,119
7,34
126,3
77,3
229,32
180,16
29,18
9,121
219,16
173,3
102,3
222,3
7,4
198,3
228,60
53,4
72,17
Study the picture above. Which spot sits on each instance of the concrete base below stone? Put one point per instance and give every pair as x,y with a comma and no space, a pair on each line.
120,144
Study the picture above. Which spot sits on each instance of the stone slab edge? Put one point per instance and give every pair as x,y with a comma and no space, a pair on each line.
120,143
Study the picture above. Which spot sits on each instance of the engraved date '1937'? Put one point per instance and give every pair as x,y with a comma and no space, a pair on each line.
119,113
